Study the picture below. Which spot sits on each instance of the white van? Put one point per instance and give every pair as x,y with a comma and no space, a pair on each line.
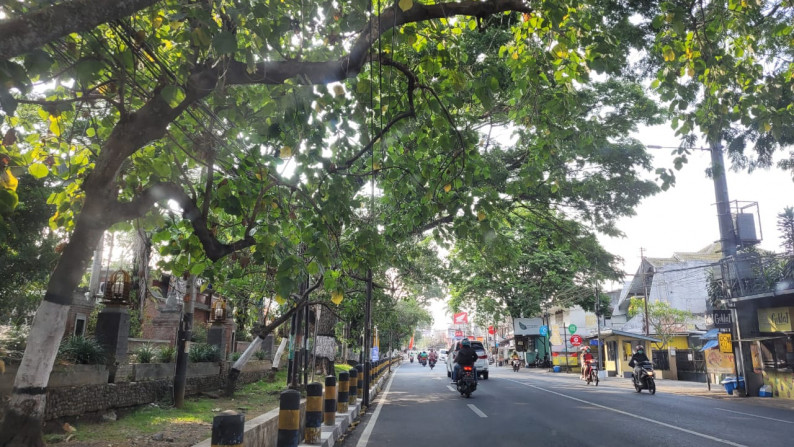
442,355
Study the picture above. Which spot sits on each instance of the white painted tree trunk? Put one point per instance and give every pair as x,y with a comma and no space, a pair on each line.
246,355
42,348
279,353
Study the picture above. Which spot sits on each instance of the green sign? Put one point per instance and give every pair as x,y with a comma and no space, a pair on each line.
572,329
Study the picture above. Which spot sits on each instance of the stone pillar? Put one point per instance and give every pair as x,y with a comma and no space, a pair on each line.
112,332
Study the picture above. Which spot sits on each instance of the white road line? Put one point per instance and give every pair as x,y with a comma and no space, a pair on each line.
625,413
477,411
756,416
364,439
451,388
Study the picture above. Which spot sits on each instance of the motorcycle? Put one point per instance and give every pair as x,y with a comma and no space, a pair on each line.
423,361
592,376
516,365
432,364
411,358
466,383
646,379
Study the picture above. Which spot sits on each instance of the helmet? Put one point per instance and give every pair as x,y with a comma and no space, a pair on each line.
465,342
587,348
640,347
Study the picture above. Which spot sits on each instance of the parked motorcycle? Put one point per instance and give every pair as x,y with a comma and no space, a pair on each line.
466,383
516,365
592,376
646,379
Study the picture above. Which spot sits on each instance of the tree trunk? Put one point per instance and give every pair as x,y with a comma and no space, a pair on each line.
325,342
23,421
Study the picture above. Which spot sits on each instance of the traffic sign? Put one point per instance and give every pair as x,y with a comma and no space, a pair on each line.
375,354
576,340
544,331
572,329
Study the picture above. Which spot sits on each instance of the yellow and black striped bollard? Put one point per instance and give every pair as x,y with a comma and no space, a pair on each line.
314,413
289,418
352,391
344,383
228,429
360,389
329,417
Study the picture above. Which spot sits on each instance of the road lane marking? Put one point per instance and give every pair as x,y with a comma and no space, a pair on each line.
477,411
364,439
756,416
452,389
626,413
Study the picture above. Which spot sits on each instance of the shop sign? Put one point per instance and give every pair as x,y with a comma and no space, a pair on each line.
722,318
775,319
725,342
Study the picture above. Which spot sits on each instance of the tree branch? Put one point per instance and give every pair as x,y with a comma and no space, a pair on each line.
35,29
276,72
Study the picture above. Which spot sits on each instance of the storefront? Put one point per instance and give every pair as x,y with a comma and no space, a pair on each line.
766,338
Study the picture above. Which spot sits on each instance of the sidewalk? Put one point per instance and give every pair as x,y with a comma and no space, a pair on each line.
671,387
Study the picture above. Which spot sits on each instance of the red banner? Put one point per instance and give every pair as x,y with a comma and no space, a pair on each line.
491,330
411,343
460,318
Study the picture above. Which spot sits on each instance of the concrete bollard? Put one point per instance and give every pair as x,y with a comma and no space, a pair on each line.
314,413
289,417
352,391
329,417
228,429
344,384
360,389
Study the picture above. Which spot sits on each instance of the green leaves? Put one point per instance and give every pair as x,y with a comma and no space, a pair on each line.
225,43
173,95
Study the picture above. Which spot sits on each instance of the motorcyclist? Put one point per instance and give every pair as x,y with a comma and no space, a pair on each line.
466,357
637,360
433,357
422,356
587,358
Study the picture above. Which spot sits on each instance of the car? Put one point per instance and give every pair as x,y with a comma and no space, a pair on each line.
481,364
442,355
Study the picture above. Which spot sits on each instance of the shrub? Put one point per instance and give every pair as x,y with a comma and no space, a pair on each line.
198,333
260,355
145,354
82,351
166,354
234,356
202,352
12,342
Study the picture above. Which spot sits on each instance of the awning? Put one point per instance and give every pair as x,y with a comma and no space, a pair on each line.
710,344
711,334
608,332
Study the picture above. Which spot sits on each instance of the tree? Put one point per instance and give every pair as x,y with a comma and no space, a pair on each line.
531,263
785,224
27,252
665,320
261,123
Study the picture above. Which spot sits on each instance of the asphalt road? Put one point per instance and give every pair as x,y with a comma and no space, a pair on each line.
419,407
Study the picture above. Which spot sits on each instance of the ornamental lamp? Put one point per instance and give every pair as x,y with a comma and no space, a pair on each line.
117,291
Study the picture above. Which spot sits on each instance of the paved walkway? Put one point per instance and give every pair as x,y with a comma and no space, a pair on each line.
671,386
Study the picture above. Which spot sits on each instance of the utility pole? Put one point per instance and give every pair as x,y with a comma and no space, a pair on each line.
644,286
724,218
183,343
367,339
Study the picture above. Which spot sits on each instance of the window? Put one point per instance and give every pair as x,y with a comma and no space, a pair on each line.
79,325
